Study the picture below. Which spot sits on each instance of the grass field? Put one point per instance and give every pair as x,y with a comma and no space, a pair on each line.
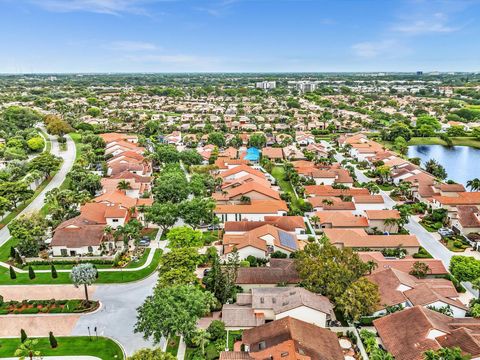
172,345
104,348
112,277
278,172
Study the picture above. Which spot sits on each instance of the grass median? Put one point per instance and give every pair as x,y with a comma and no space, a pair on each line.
101,347
110,277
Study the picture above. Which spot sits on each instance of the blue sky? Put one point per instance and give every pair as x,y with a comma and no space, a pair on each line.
238,35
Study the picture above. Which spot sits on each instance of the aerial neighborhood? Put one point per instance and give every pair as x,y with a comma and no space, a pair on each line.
240,217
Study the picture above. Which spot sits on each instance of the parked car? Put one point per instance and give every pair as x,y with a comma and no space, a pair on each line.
445,232
213,227
145,241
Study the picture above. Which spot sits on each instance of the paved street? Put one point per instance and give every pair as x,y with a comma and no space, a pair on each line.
117,317
68,157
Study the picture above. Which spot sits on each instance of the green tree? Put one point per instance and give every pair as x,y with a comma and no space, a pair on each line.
31,273
13,275
359,299
27,349
420,269
164,214
327,270
52,340
184,236
151,354
197,211
45,163
173,311
445,354
15,118
217,138
257,140
83,274
465,268
474,184
36,143
28,231
221,279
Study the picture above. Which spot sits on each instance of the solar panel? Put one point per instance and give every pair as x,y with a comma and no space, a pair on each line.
287,240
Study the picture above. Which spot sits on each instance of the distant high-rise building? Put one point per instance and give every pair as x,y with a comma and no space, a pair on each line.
419,73
306,86
266,85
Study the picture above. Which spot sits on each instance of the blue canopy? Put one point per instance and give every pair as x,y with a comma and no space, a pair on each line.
253,154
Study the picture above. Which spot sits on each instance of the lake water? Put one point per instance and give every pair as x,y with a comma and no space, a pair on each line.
462,163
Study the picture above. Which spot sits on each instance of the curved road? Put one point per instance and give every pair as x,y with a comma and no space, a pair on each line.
68,157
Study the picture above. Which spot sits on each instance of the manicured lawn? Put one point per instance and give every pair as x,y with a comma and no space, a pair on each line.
64,278
48,143
458,141
172,345
278,173
77,138
104,348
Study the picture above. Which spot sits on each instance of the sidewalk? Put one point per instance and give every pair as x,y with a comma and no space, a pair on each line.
182,347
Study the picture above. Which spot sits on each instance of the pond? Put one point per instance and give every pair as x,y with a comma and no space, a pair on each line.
462,163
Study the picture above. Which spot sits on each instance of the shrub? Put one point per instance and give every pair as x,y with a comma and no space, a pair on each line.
216,329
23,336
12,252
13,275
31,273
278,255
52,340
1,300
54,272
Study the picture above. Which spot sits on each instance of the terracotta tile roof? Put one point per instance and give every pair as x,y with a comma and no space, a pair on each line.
109,137
358,238
255,238
272,153
78,232
341,219
468,216
279,271
293,337
368,199
436,266
327,190
246,188
420,292
337,203
117,197
246,179
255,207
241,168
463,198
235,355
98,212
287,223
284,299
129,175
382,214
405,334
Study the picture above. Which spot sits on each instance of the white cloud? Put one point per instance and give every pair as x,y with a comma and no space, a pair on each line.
372,49
132,46
111,7
436,23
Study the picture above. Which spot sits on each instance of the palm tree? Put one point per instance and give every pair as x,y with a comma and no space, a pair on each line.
27,349
327,202
390,222
124,185
315,219
372,188
200,338
372,265
474,184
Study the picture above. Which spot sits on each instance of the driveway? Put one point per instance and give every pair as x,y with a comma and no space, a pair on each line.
68,157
